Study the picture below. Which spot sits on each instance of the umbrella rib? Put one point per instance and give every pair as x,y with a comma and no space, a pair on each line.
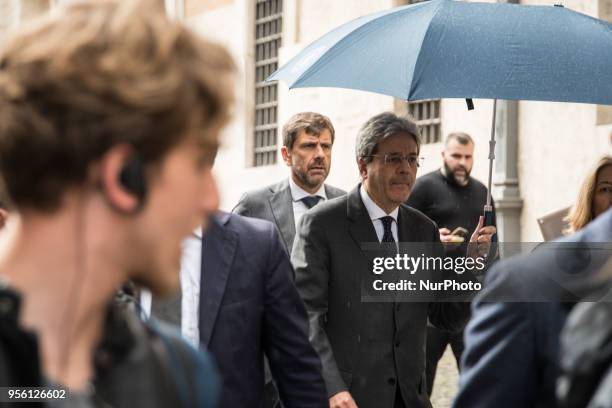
321,62
438,7
330,49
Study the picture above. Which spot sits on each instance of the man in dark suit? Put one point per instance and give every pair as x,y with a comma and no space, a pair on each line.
308,138
511,357
372,352
239,302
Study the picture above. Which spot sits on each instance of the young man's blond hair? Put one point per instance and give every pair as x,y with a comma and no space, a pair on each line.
109,121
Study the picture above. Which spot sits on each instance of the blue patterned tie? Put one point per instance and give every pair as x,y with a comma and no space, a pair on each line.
310,201
388,234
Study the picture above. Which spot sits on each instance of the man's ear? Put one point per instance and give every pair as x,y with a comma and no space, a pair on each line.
286,155
363,168
114,191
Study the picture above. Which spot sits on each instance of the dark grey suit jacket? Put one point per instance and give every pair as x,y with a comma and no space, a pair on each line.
365,348
274,203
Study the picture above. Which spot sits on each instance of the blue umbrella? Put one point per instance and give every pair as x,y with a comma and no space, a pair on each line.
456,49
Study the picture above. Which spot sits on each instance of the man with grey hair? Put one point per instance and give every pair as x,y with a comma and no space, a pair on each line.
454,201
308,138
372,352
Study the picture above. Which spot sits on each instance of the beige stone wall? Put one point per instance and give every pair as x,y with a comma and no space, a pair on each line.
196,7
605,9
6,16
604,113
33,8
12,12
231,26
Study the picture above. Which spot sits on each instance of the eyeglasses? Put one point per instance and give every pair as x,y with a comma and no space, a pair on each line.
396,159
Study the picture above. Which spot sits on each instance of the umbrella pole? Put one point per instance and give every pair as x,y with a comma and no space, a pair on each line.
488,208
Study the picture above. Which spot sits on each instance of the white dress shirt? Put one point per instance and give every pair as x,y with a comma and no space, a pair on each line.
376,213
297,193
146,299
191,263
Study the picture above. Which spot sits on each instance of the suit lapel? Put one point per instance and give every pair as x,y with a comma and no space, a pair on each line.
281,204
404,231
219,245
361,228
364,235
331,193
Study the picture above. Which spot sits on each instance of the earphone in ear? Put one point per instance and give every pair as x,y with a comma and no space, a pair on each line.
132,178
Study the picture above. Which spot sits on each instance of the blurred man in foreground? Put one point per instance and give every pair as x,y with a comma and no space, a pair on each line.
512,355
109,122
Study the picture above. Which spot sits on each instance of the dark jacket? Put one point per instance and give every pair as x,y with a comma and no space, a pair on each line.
586,353
136,364
367,348
249,307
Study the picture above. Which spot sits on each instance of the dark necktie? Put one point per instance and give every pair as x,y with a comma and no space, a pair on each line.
310,201
388,234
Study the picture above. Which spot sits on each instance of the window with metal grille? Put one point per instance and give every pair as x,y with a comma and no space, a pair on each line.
427,115
268,36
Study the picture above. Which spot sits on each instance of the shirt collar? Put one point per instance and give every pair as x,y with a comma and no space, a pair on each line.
374,211
297,192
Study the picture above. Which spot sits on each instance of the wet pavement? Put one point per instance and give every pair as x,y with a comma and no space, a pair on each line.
447,380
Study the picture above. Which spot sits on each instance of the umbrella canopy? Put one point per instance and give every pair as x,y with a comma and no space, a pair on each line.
456,49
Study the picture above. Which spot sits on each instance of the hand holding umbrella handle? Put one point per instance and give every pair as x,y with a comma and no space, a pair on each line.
488,208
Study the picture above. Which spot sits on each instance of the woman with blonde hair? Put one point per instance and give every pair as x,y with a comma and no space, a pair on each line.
594,198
